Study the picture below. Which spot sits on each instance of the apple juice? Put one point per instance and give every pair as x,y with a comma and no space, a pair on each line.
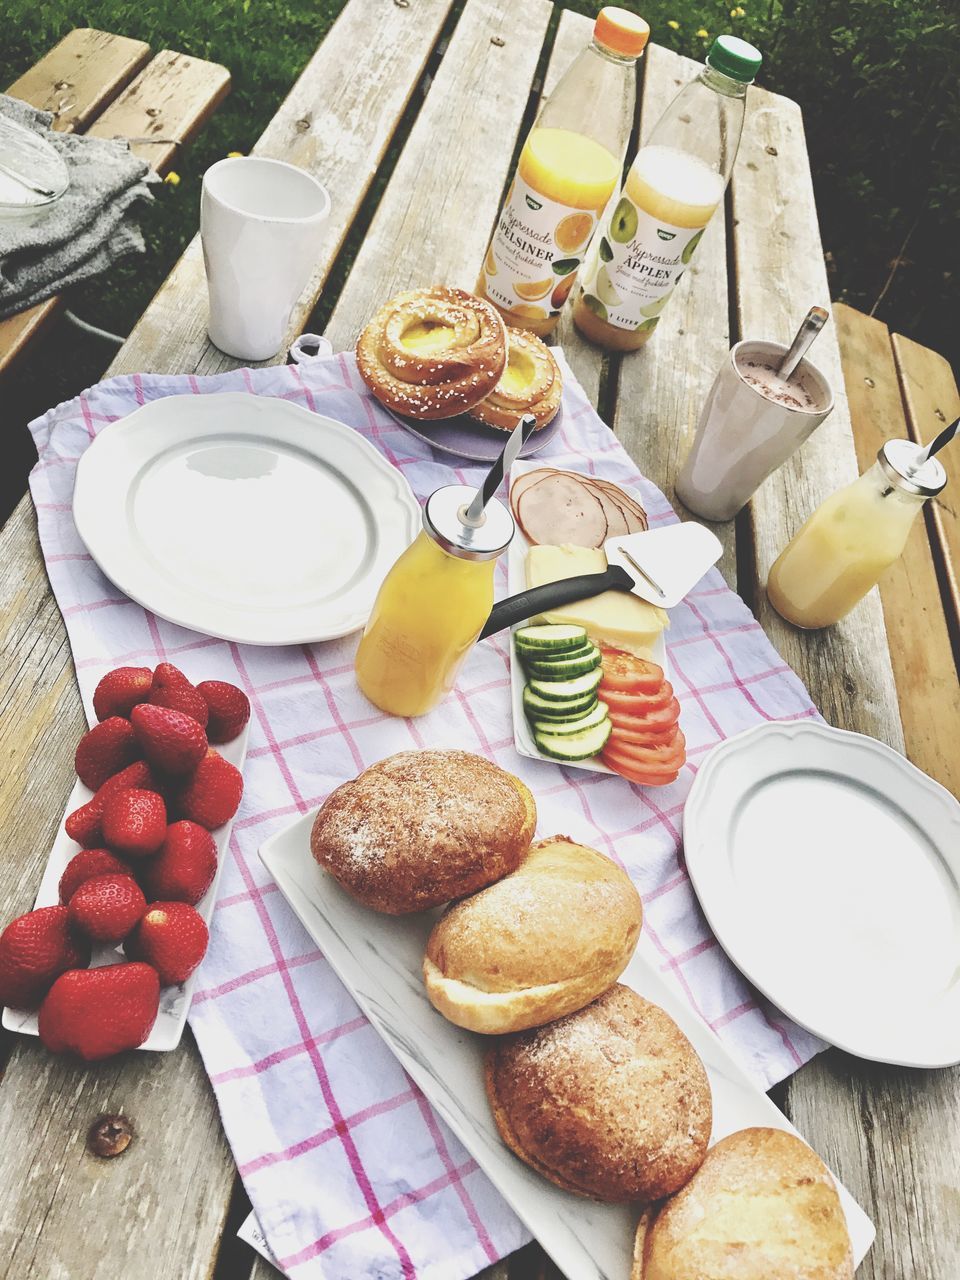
675,183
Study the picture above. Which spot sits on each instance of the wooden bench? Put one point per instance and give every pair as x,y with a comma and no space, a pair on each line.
108,86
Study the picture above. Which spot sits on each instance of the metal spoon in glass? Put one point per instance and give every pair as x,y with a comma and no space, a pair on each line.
813,322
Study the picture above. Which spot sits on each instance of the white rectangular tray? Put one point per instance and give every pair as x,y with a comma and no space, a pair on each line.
174,1001
378,959
517,582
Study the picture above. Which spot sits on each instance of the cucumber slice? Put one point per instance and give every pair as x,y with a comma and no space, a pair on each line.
567,690
528,657
574,746
550,636
565,668
537,708
564,727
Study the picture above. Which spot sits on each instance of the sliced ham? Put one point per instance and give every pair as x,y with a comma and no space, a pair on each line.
617,518
560,509
522,483
635,514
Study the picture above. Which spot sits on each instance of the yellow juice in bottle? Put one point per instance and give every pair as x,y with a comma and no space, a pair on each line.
568,169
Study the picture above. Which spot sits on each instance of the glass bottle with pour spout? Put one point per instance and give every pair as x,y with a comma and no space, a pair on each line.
844,547
432,605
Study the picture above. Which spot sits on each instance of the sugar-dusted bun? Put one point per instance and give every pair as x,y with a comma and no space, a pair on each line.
530,383
539,944
422,827
433,353
762,1206
611,1102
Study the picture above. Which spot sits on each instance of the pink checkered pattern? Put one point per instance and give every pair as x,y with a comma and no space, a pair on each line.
349,1171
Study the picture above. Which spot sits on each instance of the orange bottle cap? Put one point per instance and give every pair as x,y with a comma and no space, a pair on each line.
622,31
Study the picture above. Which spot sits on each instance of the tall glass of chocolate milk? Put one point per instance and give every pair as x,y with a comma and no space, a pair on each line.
752,421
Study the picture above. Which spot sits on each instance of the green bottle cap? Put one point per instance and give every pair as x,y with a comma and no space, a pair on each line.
733,57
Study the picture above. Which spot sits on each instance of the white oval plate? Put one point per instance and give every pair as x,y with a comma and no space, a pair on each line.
244,517
829,868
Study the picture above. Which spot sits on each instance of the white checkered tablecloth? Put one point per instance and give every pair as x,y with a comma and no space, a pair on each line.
349,1171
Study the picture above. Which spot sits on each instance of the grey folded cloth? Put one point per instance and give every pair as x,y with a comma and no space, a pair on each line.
89,228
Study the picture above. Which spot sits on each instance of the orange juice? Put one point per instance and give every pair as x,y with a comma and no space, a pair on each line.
568,169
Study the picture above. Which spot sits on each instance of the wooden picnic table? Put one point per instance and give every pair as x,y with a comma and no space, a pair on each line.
415,133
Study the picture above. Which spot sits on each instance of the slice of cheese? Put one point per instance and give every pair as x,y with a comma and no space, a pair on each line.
614,618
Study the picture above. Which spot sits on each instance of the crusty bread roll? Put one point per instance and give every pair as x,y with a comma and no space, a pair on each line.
433,353
540,943
611,1102
762,1206
422,827
530,383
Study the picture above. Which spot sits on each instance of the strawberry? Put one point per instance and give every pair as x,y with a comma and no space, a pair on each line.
170,740
120,690
104,750
83,825
211,796
229,709
99,1012
85,865
173,938
184,868
34,950
172,689
134,822
107,908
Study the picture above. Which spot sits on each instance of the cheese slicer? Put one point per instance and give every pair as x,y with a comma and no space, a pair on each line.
660,566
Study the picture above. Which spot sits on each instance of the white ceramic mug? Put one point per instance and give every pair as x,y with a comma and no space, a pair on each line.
261,224
744,435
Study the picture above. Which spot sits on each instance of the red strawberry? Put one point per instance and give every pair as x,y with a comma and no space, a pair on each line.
107,908
134,822
120,690
211,796
99,1012
83,825
87,864
229,709
170,740
172,689
184,868
104,750
34,950
173,938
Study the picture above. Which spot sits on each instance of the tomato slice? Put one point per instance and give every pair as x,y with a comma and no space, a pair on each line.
626,672
648,721
625,730
642,777
633,702
668,757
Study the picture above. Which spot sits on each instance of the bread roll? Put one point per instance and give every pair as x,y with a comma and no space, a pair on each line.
422,827
541,943
611,1102
762,1206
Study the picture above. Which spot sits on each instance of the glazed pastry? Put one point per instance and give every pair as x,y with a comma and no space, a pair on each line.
433,353
531,383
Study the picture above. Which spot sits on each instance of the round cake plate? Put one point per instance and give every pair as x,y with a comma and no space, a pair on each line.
245,517
465,438
829,868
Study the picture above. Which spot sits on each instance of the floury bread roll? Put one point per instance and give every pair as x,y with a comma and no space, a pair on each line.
611,1102
762,1206
539,944
422,827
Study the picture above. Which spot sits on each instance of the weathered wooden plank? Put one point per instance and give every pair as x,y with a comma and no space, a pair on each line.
169,102
74,81
779,274
920,649
49,1185
434,220
932,400
662,387
80,76
336,122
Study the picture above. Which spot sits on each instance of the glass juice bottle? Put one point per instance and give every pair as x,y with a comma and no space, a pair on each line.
843,548
674,185
569,167
432,605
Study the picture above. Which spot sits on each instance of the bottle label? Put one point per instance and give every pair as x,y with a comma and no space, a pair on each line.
635,267
536,250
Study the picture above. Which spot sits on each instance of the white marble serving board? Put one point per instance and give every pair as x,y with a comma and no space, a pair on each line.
378,959
174,1001
517,582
